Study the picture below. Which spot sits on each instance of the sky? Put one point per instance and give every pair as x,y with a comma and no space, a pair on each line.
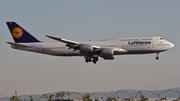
81,20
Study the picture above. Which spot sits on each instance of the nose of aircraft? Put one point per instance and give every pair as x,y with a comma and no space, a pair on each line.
171,45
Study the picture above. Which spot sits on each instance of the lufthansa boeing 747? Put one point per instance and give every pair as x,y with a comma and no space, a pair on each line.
90,50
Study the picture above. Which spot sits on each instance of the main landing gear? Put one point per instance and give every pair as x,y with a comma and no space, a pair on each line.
91,59
157,57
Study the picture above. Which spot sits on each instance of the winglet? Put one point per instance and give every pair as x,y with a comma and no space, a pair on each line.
62,40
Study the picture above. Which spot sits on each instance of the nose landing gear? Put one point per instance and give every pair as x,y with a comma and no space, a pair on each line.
157,57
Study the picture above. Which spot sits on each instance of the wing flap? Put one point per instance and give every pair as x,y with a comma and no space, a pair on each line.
18,45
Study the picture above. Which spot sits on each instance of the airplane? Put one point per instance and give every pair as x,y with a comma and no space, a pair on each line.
90,50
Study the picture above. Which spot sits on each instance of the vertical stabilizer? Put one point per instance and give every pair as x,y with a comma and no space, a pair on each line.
19,34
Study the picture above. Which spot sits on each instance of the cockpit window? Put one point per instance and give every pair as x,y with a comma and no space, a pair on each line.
161,38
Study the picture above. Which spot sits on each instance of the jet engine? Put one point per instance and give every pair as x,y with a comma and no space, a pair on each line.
85,48
107,53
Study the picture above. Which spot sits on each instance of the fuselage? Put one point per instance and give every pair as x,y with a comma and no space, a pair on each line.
142,45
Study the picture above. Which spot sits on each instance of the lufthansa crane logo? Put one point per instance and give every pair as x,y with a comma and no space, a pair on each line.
17,32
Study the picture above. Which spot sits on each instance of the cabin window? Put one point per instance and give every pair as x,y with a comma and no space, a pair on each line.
161,38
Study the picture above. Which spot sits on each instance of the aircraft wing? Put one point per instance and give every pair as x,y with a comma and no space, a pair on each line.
62,40
18,45
72,44
89,49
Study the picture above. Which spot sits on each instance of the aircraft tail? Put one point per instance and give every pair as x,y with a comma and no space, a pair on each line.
19,34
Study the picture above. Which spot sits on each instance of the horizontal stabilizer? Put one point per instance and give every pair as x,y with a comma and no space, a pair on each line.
63,40
18,45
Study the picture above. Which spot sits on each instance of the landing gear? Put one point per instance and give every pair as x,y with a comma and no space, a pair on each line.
87,60
91,59
157,57
95,60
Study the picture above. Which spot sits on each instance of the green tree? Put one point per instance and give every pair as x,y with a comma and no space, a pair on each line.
177,99
45,96
86,97
110,98
62,94
15,98
49,97
31,98
131,99
142,98
96,99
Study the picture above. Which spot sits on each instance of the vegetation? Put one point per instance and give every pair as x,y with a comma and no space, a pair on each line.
131,99
31,98
86,97
142,98
15,98
49,97
112,99
61,95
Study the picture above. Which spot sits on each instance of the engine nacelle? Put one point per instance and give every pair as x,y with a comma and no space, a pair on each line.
107,52
108,57
85,48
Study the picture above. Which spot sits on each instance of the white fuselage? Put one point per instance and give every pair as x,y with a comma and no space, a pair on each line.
132,45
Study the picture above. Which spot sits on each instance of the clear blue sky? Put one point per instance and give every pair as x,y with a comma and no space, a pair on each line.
80,20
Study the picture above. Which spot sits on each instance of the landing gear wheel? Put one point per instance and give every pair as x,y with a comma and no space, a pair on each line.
94,61
86,60
157,58
89,59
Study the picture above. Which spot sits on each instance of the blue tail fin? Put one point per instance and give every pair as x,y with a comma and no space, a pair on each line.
19,34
